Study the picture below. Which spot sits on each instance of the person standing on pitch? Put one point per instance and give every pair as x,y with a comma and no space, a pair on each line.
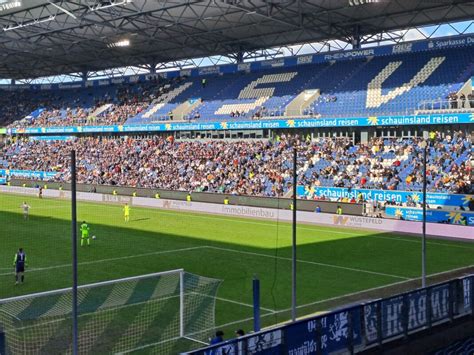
126,212
19,262
85,234
26,210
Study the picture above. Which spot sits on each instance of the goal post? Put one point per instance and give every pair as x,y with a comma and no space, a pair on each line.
160,312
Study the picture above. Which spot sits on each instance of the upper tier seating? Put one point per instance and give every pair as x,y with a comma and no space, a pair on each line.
388,85
373,86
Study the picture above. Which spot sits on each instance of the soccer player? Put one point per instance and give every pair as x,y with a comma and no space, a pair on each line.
26,210
85,234
19,262
126,212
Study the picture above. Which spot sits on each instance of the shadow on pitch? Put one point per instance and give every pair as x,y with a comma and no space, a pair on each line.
221,248
139,219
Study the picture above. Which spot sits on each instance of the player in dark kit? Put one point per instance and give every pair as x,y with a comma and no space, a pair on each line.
19,262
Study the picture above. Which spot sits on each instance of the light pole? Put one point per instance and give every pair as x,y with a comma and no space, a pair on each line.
424,145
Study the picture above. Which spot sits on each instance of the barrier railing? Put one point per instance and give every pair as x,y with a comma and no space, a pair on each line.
454,105
361,326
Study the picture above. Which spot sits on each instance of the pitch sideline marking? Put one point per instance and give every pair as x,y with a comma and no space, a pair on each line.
311,262
285,224
240,220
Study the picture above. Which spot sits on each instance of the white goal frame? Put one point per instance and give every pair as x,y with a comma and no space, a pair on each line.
180,272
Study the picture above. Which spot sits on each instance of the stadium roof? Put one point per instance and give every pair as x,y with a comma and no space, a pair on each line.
42,38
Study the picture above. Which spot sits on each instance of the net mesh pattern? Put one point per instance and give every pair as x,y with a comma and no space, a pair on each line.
152,313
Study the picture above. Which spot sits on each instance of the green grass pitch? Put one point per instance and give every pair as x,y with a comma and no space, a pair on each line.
331,261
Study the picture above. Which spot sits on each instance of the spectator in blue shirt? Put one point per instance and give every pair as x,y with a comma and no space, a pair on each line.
219,338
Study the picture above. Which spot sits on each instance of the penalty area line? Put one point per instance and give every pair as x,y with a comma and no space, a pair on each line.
110,259
312,263
236,302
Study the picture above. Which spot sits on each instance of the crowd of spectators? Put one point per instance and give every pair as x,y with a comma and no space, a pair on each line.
20,103
460,101
243,167
394,164
111,105
251,167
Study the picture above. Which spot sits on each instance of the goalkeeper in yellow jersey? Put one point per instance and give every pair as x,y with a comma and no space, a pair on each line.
126,212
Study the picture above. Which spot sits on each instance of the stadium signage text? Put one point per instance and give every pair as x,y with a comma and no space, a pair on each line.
248,211
330,334
356,221
28,174
441,199
451,42
402,48
392,312
434,216
373,121
351,54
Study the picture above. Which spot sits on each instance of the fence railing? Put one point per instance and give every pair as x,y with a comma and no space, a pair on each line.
454,105
361,326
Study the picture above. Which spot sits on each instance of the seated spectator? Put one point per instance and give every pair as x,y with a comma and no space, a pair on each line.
250,167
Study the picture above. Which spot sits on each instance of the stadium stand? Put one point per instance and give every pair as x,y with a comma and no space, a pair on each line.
372,99
110,104
383,85
251,167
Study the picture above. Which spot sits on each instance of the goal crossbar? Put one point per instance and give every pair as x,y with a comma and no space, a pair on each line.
92,285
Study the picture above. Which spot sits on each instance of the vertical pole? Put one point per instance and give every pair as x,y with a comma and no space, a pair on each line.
256,304
74,254
3,346
293,261
471,294
181,303
423,242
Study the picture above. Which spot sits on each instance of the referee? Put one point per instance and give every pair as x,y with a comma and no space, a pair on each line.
19,262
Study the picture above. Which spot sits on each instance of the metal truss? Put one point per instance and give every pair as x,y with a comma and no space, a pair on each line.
58,37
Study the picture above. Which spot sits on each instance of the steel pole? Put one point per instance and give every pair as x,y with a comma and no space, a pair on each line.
293,260
423,242
75,345
256,303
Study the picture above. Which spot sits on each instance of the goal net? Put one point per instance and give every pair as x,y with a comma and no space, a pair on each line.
162,313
